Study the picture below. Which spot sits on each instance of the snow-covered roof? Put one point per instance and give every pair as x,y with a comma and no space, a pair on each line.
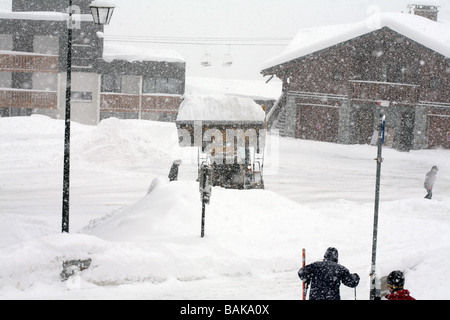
114,51
255,89
431,34
22,53
103,3
219,108
43,15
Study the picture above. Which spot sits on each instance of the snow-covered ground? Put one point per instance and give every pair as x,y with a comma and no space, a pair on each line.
145,242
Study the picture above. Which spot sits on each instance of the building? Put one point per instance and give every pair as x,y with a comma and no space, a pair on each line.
337,80
106,81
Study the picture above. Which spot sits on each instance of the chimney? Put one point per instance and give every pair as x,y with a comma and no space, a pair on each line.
427,10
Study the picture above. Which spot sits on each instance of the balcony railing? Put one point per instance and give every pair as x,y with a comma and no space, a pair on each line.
384,91
28,62
120,102
117,102
30,99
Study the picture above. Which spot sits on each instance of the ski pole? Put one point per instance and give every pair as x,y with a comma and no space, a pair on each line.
303,265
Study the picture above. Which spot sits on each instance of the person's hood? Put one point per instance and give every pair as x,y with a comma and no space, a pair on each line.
331,254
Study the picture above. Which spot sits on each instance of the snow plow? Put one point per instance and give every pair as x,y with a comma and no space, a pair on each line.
229,133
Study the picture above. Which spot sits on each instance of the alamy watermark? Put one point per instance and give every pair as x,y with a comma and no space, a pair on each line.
224,145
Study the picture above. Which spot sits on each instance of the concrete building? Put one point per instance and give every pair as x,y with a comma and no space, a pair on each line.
105,81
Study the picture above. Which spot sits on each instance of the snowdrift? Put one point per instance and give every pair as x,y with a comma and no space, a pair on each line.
153,237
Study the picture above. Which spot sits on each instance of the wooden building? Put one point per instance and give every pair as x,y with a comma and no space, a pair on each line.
105,82
337,80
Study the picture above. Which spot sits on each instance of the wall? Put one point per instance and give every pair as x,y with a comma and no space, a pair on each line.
365,58
6,44
49,5
84,112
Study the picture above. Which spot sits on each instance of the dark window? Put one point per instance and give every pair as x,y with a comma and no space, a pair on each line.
174,86
81,96
111,83
338,76
161,85
392,72
435,83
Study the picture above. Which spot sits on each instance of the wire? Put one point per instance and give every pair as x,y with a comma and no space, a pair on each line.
211,41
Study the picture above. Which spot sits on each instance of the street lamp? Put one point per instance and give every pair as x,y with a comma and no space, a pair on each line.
102,11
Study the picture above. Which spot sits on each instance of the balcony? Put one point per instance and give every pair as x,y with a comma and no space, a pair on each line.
120,102
29,99
28,62
384,91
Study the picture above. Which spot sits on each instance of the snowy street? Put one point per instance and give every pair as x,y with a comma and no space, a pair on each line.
147,245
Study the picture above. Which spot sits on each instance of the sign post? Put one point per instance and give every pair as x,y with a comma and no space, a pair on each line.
205,191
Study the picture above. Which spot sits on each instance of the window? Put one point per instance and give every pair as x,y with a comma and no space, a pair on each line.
392,72
148,85
173,86
338,76
81,96
111,83
161,85
46,44
435,83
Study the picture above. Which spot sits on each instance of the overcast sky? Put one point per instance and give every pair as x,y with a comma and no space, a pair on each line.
252,31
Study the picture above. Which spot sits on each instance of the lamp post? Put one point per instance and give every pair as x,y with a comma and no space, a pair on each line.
375,292
102,11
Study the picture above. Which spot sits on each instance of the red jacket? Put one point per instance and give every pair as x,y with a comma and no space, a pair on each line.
399,295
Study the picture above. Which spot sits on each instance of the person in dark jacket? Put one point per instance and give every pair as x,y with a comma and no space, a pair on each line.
325,277
173,173
430,178
395,283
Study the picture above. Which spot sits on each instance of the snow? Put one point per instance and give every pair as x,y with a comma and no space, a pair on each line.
114,51
219,108
427,3
21,53
431,34
142,232
43,15
255,89
103,3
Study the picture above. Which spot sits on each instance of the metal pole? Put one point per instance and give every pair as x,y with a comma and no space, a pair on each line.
203,219
303,265
375,293
66,172
203,176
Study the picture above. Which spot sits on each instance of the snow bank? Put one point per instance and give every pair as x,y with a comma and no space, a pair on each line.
153,236
219,108
129,143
